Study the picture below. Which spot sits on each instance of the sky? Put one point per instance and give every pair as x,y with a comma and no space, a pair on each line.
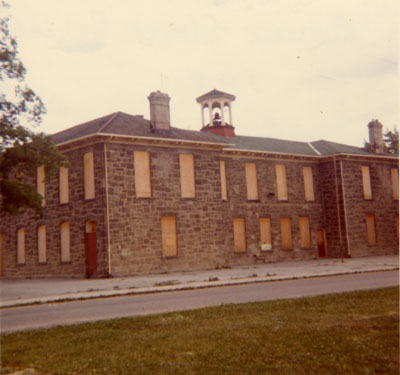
301,70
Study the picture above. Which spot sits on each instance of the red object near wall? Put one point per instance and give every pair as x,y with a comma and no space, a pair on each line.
321,243
91,254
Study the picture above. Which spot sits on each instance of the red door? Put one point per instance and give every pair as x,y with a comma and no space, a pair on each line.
91,250
321,243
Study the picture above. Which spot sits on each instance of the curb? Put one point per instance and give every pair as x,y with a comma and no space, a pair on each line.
79,296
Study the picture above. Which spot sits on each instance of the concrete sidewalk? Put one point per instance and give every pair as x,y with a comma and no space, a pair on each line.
30,291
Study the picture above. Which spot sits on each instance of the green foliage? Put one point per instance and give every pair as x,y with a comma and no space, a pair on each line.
391,139
390,142
21,150
350,333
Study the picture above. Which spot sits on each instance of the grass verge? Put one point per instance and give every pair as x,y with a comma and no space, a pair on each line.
352,333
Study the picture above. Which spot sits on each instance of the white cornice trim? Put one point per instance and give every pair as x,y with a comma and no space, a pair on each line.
223,146
239,151
150,139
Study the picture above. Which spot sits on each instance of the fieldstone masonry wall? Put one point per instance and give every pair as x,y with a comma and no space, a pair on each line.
334,219
382,206
76,213
204,223
136,222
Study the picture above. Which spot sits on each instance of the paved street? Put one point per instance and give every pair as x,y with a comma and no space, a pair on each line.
46,315
16,292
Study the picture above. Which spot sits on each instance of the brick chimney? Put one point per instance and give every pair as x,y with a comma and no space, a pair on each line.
159,110
375,137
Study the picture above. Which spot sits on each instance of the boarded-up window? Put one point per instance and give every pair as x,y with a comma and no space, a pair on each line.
394,174
366,181
187,175
88,170
40,182
371,229
308,184
286,233
265,233
281,182
239,235
304,225
224,194
41,231
21,246
168,233
65,242
251,181
64,185
142,174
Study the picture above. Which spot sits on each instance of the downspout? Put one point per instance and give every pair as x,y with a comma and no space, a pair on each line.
107,211
344,208
338,211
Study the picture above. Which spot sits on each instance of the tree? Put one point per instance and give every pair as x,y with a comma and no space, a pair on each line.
390,142
22,151
391,139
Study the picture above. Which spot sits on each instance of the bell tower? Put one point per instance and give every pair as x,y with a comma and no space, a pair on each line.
218,106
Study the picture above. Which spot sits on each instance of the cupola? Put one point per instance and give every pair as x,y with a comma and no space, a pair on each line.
218,108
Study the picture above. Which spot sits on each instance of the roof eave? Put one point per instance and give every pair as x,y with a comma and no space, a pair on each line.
265,153
157,140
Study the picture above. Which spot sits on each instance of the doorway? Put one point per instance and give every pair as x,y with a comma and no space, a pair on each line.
321,243
91,249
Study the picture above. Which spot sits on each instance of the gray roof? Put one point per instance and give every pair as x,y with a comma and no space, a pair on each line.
272,145
123,124
120,123
216,93
330,148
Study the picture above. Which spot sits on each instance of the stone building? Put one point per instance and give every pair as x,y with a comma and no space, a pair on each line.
140,196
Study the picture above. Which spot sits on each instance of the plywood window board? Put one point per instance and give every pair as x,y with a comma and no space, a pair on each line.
222,168
88,169
168,234
371,234
308,184
186,164
65,242
366,181
265,233
42,256
142,174
239,235
281,182
64,185
251,181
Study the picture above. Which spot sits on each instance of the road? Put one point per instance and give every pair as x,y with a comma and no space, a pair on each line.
66,313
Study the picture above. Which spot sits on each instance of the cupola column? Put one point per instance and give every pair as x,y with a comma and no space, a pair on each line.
202,115
222,112
210,113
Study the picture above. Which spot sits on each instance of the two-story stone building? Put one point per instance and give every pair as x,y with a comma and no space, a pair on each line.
140,196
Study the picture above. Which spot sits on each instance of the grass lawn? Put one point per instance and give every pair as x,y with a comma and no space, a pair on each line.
351,333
